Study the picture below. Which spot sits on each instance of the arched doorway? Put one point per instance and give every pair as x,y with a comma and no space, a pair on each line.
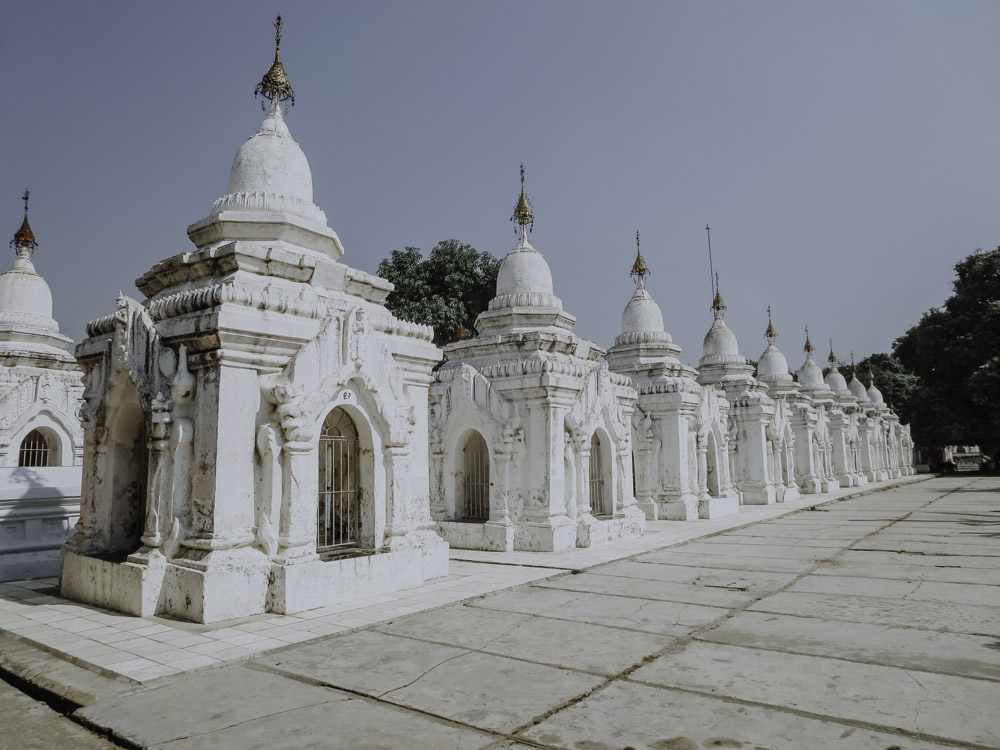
338,514
35,450
599,495
130,457
712,466
474,503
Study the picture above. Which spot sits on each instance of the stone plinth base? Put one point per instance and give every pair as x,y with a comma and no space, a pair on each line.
128,587
650,508
830,485
229,584
558,535
759,495
809,485
495,537
716,507
591,531
681,508
296,588
789,494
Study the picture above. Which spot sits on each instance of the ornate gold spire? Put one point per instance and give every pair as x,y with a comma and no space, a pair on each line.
524,215
854,367
24,239
639,269
871,377
274,85
770,334
832,359
808,348
718,306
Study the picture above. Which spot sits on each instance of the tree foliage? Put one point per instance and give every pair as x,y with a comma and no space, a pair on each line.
955,351
898,385
446,291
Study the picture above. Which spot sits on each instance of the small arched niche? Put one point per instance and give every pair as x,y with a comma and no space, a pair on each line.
472,490
129,456
40,448
601,496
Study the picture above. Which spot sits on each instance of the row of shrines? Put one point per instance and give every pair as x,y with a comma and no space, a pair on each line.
262,434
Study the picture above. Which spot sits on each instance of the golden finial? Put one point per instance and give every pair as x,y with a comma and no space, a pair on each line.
871,377
24,238
274,85
854,367
639,269
461,334
832,359
523,216
718,306
770,334
808,348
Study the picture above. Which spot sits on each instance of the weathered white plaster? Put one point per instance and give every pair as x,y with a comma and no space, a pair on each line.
40,389
205,406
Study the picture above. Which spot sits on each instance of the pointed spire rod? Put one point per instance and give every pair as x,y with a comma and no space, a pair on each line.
832,359
524,214
639,269
24,239
808,348
713,276
274,86
854,367
871,376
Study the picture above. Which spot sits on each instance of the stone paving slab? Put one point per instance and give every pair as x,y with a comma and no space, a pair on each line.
561,643
928,614
956,593
651,616
738,580
26,724
711,596
942,706
201,702
367,662
643,717
493,692
934,651
349,722
943,573
876,558
678,556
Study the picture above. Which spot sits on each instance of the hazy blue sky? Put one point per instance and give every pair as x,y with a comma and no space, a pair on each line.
845,153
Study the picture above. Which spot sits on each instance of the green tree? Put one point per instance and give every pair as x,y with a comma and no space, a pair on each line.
898,385
955,351
446,291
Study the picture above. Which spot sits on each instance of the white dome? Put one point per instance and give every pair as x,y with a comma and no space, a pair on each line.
857,389
23,291
810,375
270,162
875,395
836,382
642,313
524,271
772,366
721,344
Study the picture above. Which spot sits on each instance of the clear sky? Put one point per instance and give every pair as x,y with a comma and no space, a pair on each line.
845,153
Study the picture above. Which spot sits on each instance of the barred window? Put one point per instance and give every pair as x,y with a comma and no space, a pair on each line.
35,450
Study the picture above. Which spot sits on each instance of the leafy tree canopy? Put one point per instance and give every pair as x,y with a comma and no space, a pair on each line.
897,384
955,351
446,291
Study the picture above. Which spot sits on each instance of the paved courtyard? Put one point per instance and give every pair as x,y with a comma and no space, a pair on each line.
869,622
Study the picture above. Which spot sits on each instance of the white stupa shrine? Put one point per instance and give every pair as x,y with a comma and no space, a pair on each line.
256,427
41,442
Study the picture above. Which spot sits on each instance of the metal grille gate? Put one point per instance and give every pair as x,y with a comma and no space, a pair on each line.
597,490
338,521
34,451
476,483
